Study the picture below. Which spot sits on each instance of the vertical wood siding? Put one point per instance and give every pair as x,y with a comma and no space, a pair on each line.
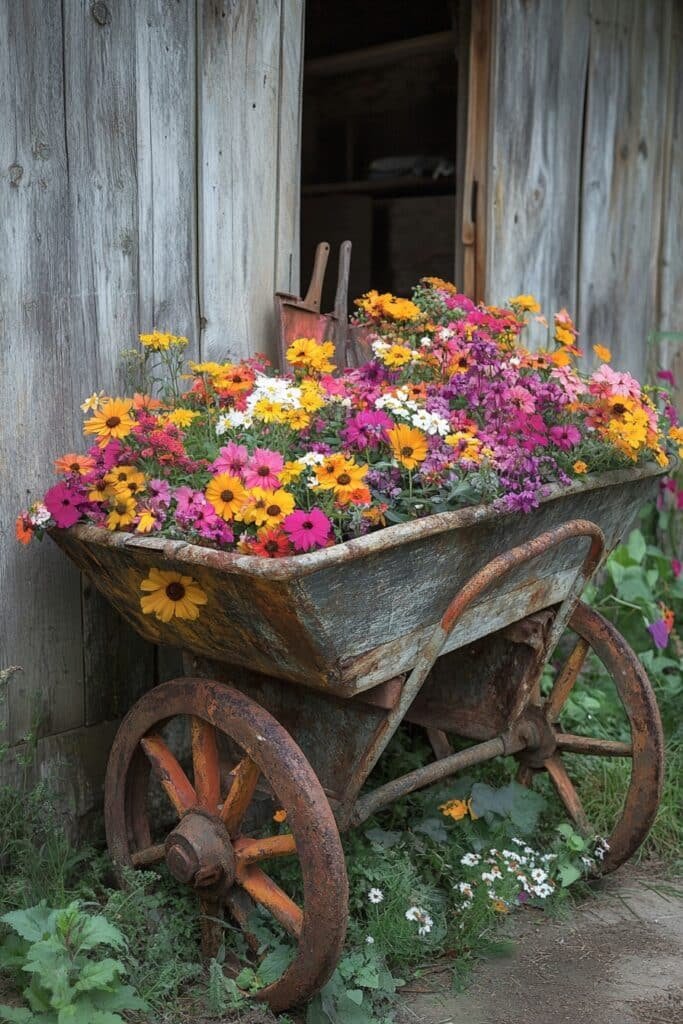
127,124
583,91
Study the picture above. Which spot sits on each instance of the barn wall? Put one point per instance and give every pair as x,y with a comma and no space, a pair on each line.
587,97
148,178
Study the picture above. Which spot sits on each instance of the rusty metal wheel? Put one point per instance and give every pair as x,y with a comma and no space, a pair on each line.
207,848
552,748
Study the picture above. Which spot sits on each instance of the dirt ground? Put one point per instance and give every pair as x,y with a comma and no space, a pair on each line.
618,959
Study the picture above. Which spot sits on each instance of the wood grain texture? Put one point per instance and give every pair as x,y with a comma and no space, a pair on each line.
538,83
621,192
99,183
238,83
41,628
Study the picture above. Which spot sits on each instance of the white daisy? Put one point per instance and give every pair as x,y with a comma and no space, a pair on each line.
375,895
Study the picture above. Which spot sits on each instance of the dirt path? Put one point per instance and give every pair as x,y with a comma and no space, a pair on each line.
617,960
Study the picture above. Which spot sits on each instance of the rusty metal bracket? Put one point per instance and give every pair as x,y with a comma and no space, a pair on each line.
479,583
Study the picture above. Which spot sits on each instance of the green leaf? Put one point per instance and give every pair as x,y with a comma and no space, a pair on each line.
16,1015
616,571
636,546
98,931
383,838
368,976
275,964
434,828
355,995
568,873
99,975
32,924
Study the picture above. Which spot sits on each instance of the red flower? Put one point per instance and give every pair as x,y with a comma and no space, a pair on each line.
271,544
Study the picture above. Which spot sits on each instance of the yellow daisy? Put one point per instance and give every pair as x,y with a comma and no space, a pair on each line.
267,508
409,445
227,495
169,594
112,420
122,512
182,417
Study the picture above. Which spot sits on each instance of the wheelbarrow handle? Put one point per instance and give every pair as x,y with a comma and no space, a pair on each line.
312,298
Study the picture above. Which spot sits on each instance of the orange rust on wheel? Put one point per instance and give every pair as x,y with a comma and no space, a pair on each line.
265,891
244,779
173,779
250,851
205,764
646,749
231,875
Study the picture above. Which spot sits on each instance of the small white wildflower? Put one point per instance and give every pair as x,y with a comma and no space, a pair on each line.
539,875
375,895
425,342
588,862
466,889
470,859
369,939
311,458
518,842
420,915
543,890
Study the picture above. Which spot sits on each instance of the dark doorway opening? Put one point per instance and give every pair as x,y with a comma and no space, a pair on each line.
384,111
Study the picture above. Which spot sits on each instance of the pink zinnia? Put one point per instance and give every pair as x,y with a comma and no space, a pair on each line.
307,530
262,469
520,398
64,505
232,459
565,436
607,381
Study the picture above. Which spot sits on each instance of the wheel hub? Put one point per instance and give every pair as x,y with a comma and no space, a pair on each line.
199,852
539,736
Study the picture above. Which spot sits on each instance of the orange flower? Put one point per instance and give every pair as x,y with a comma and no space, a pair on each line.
409,445
580,467
280,816
23,531
145,402
80,465
603,354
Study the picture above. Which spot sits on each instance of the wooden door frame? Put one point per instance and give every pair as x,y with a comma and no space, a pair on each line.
475,177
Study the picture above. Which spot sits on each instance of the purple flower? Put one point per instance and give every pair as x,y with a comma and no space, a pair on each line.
189,505
659,633
366,429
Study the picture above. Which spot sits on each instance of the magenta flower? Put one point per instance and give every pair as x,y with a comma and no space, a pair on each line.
262,469
659,632
189,505
676,568
367,429
667,376
565,436
519,398
307,530
232,459
64,504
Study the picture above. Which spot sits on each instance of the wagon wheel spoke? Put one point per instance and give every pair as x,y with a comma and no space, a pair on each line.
211,925
567,792
525,775
244,779
565,680
205,762
265,891
250,851
166,768
573,744
148,857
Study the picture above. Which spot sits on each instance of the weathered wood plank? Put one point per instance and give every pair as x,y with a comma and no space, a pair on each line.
39,367
166,94
622,178
238,81
106,270
668,352
539,73
165,74
289,147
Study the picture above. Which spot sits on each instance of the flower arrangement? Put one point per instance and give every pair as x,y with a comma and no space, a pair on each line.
451,409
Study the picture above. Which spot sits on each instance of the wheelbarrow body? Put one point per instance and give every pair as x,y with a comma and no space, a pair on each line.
301,669
345,618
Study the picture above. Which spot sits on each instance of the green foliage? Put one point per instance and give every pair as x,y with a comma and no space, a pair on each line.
71,982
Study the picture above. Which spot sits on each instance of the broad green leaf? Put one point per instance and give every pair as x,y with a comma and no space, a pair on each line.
32,924
16,1015
275,964
568,873
636,546
99,975
384,838
355,995
435,828
98,931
